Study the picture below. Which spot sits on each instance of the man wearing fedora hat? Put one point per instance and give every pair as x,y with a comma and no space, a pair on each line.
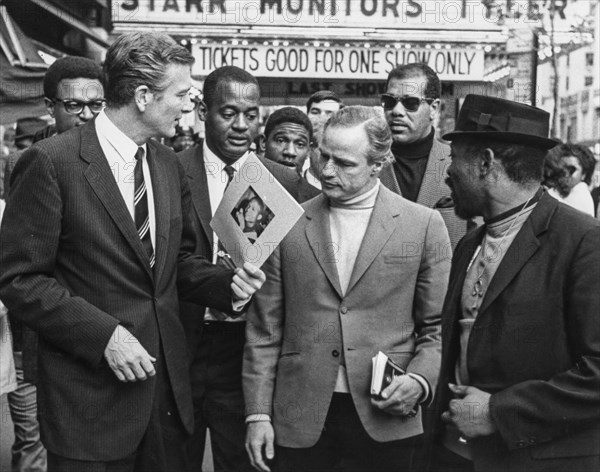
26,129
520,379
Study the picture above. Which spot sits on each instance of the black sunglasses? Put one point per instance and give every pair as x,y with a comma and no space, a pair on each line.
410,103
75,107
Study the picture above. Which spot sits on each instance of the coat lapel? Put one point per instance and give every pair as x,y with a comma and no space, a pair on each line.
318,234
435,173
100,177
160,189
379,230
523,247
196,174
388,178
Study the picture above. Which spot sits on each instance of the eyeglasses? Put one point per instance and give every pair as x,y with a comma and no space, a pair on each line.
75,107
389,101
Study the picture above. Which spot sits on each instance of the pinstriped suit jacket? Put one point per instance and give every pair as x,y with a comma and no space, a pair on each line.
73,268
433,188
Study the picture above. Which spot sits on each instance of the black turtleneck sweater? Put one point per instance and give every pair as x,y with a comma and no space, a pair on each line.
410,163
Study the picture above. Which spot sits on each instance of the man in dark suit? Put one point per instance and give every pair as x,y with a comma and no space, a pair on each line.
362,271
520,378
411,104
74,91
216,341
96,250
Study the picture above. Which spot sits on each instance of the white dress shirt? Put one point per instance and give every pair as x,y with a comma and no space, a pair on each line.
217,179
120,151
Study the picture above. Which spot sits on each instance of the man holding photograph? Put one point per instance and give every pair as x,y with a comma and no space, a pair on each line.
216,341
363,271
96,259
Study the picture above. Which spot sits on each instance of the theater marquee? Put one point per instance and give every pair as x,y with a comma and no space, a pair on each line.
455,64
413,14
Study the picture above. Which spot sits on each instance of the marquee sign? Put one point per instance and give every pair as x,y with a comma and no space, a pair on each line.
407,14
455,64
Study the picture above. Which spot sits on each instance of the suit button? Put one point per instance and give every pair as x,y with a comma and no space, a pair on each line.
335,353
521,443
532,441
344,310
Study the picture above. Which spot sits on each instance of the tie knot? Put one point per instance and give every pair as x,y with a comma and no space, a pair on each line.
230,171
139,154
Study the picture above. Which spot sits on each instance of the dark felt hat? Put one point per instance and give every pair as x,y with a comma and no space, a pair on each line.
27,127
504,120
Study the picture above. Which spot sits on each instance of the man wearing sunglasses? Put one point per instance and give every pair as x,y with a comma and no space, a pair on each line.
411,104
74,92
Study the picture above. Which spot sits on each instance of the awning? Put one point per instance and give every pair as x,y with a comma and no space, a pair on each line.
73,22
21,73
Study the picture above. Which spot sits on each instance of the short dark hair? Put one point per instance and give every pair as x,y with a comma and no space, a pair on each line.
70,67
555,174
418,69
583,154
136,59
217,79
321,96
288,115
522,164
375,125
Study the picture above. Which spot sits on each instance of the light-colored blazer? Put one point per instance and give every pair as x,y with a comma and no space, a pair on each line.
433,189
300,326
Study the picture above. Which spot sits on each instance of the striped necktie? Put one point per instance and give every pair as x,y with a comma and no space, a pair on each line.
230,171
142,217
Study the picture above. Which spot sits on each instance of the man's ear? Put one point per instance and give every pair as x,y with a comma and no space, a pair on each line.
49,106
262,143
142,97
435,108
376,169
488,164
202,110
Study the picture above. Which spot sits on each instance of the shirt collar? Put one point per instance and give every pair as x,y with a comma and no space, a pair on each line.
121,143
311,179
212,161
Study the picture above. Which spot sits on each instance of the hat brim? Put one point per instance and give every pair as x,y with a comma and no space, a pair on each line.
516,138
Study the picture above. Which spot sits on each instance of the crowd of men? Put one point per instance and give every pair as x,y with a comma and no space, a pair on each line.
140,340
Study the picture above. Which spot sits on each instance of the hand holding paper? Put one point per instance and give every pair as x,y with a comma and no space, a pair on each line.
247,280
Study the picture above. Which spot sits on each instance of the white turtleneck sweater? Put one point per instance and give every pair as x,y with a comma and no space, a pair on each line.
348,221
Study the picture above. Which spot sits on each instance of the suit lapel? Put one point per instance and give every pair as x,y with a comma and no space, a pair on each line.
318,234
388,178
100,177
430,191
523,247
379,230
160,189
196,174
